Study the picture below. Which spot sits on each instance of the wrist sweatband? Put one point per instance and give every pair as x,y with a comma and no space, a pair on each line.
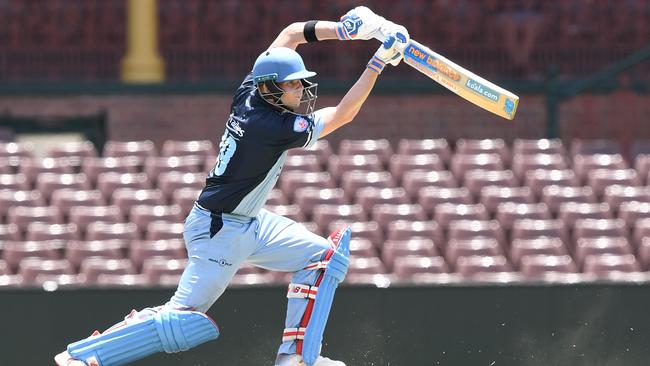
376,65
310,31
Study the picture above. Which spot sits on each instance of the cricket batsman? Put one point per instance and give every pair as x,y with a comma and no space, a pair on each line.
272,112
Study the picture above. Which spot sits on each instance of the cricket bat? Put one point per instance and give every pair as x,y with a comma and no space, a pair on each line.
459,80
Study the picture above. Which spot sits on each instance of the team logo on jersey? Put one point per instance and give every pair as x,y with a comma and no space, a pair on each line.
300,124
234,125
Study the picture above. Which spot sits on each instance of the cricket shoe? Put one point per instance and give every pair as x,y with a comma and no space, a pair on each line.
296,360
64,359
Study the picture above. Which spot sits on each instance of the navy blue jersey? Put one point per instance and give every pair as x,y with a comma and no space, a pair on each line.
252,151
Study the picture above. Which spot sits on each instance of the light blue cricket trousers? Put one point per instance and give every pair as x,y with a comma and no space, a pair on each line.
217,245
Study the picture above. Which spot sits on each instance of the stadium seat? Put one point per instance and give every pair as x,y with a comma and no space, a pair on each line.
83,216
141,149
292,181
403,230
45,231
155,166
173,279
12,280
16,251
475,265
595,146
522,164
600,179
400,164
9,232
470,229
14,182
642,166
16,149
6,165
338,164
360,229
354,180
32,168
173,181
537,180
415,246
78,250
105,231
10,198
384,214
542,245
371,265
4,268
154,268
507,213
185,198
93,267
431,197
641,231
438,147
322,150
291,211
586,247
591,228
405,267
571,211
461,163
476,180
541,146
125,198
309,197
605,264
164,230
536,266
303,163
121,280
644,253
362,248
630,212
323,215
447,212
143,215
530,229
75,150
415,180
583,164
29,268
67,198
202,148
107,183
555,196
369,197
22,216
483,146
492,196
92,166
477,246
381,148
615,195
140,250
254,279
47,183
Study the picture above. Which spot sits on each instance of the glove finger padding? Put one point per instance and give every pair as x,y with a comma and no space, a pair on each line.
359,23
391,50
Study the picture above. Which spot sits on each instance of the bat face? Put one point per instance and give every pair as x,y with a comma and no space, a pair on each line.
461,81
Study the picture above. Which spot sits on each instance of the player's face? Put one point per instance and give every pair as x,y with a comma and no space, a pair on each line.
292,93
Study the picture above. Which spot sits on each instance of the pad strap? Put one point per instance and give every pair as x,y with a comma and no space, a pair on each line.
300,291
293,334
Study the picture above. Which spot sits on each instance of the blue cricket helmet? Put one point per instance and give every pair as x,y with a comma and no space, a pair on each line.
280,64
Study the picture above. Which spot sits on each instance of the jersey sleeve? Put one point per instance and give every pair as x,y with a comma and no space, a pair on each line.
299,131
244,90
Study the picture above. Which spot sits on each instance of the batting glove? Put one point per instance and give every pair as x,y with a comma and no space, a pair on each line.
359,23
390,52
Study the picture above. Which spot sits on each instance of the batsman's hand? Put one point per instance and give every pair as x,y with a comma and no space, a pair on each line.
359,23
392,49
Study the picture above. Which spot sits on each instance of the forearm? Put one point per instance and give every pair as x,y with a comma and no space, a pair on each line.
293,35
